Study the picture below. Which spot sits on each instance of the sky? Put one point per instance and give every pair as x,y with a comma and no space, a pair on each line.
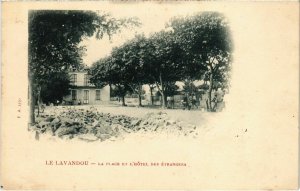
153,18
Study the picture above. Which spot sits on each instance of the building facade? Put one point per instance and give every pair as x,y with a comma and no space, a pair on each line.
85,93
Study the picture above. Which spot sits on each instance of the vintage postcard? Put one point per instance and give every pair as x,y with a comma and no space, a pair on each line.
156,95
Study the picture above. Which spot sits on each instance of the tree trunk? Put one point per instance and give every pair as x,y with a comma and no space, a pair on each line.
140,100
166,101
138,90
39,99
123,101
31,101
162,92
207,105
210,90
140,95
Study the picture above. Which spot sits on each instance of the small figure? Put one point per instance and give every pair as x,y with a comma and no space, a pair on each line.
185,103
194,102
168,102
172,102
215,101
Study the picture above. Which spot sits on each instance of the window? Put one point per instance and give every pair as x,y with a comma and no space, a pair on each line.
86,80
74,94
97,94
86,96
73,79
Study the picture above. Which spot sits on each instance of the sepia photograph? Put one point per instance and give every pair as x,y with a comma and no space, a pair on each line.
149,95
86,85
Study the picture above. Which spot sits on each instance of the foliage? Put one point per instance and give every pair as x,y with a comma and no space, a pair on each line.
55,88
54,38
171,89
194,48
206,38
119,90
166,60
189,87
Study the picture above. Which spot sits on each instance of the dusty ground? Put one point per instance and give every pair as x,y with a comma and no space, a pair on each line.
102,123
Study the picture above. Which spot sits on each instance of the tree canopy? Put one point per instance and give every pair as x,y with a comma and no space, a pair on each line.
197,47
54,38
206,37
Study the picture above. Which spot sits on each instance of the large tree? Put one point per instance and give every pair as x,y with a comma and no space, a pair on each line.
165,61
191,48
206,39
55,87
54,38
133,57
156,60
109,71
125,68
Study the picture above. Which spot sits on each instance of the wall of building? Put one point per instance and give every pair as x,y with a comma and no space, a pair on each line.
79,79
104,96
93,97
105,93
